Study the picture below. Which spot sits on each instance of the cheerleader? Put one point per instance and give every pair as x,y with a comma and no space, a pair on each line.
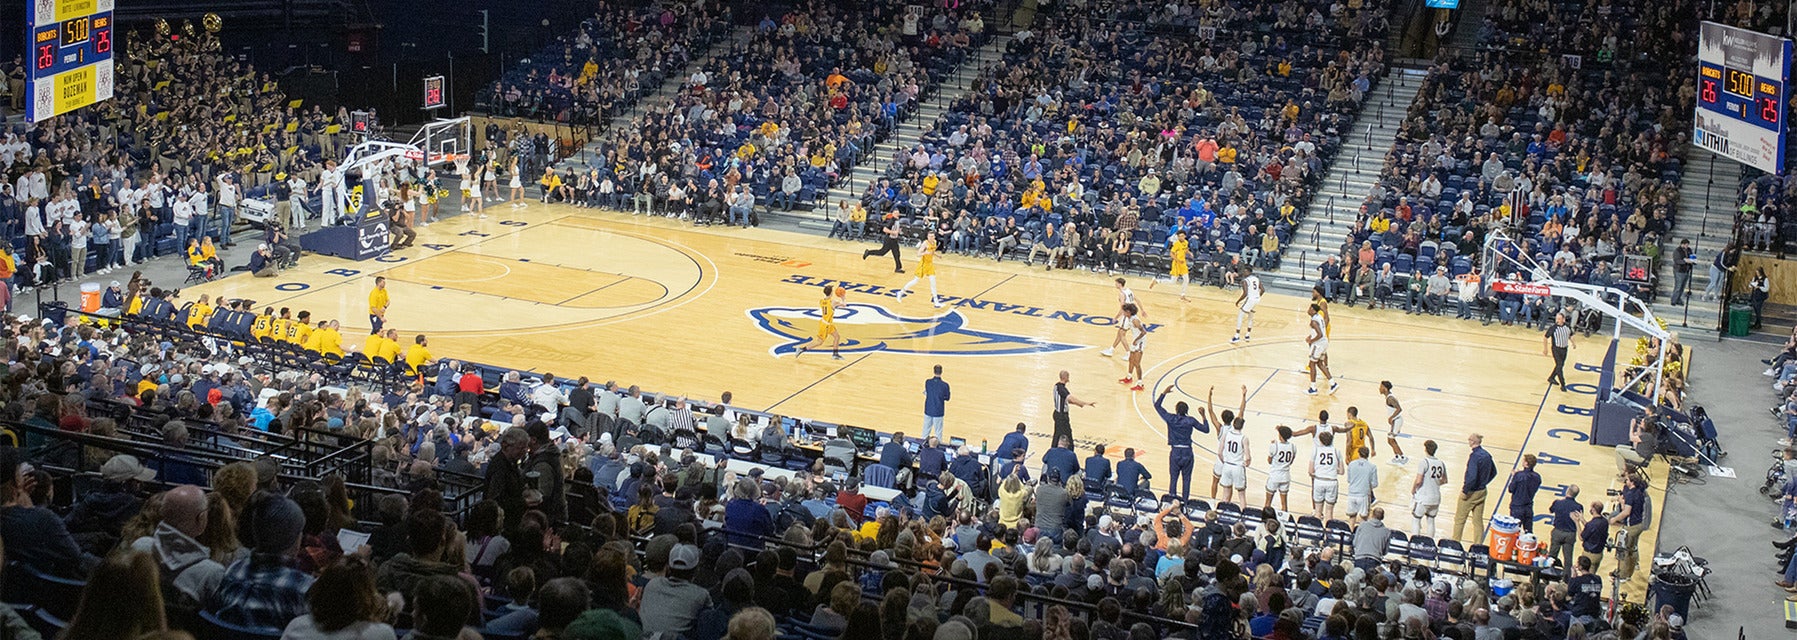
517,184
490,179
433,191
415,203
474,198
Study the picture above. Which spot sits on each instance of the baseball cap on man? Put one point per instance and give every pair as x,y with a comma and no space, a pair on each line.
125,468
684,557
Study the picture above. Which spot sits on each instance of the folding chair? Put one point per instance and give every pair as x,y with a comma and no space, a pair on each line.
879,475
1309,530
1339,534
1450,555
1422,549
1229,513
1398,545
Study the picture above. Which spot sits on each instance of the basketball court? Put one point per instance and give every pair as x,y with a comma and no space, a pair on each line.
699,311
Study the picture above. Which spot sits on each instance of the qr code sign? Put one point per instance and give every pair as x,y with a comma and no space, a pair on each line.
43,100
103,80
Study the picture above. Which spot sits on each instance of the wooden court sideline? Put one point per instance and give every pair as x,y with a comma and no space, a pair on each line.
698,311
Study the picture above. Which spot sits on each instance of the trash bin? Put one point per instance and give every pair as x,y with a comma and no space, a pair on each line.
1740,319
1671,589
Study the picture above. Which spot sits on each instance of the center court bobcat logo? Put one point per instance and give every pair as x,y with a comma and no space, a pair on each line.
866,328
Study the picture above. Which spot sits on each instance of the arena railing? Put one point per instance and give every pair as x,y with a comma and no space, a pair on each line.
66,453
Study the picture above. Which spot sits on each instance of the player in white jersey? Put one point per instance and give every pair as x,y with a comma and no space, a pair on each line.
1325,475
1280,456
1394,421
1136,341
1245,304
1425,493
1226,423
1319,350
1125,298
1232,460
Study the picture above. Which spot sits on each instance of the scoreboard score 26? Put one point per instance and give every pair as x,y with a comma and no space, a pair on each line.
71,45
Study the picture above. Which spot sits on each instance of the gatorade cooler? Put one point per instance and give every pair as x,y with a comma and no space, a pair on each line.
90,296
1526,548
1503,538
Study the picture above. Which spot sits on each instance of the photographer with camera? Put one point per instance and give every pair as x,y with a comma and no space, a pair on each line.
400,225
1644,441
282,247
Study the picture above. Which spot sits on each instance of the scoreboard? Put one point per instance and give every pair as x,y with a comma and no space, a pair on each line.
70,56
1741,95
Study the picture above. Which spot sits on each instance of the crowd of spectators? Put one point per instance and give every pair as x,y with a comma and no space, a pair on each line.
622,53
190,134
1575,159
773,121
1106,129
593,519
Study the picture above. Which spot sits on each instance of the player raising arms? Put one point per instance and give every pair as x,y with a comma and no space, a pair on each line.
1280,456
826,323
1178,269
1138,339
1125,297
1231,469
1245,305
1319,350
926,268
1394,422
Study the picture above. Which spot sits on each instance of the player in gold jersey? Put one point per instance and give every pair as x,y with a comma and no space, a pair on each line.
299,332
926,268
278,330
826,323
1359,435
1322,302
264,325
1178,266
199,312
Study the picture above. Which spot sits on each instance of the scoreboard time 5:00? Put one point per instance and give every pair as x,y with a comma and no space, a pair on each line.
1750,97
71,47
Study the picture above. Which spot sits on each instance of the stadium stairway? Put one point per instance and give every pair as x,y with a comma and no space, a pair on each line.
1706,217
909,132
1349,178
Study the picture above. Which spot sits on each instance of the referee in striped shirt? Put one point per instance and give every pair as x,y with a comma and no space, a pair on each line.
1556,342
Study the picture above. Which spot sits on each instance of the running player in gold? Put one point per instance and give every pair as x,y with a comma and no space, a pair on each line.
1178,269
826,323
926,268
